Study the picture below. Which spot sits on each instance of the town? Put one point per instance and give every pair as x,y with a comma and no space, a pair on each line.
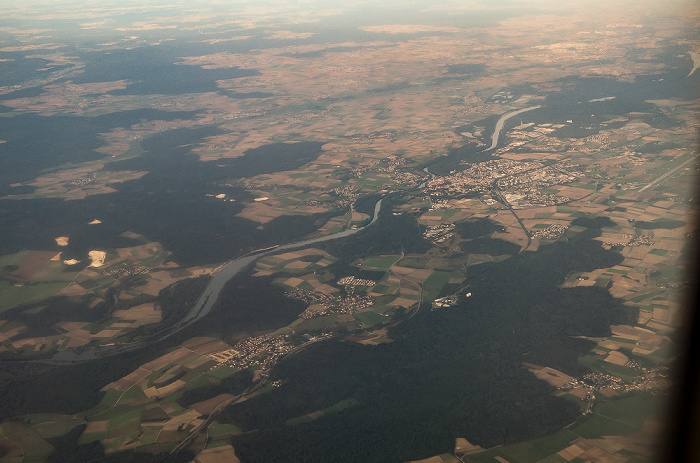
523,181
324,304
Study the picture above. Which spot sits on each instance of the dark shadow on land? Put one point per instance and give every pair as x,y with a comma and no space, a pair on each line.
682,439
450,373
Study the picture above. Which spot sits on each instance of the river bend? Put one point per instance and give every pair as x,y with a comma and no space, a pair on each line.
204,303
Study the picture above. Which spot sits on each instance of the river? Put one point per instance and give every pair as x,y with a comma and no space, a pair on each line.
695,56
205,302
432,176
501,122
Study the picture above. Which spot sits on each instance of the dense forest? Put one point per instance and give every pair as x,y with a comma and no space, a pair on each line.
287,228
450,373
153,71
248,304
470,229
36,143
169,204
391,234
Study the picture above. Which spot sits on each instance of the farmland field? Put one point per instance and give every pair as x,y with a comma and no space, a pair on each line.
352,231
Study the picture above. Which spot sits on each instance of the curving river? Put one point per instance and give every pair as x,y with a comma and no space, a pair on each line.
211,292
205,302
501,122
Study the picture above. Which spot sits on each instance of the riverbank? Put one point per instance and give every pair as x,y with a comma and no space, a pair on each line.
204,303
501,122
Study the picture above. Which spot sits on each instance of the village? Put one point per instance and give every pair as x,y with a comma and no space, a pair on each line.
260,352
439,233
552,232
633,240
126,269
263,351
151,155
654,380
325,304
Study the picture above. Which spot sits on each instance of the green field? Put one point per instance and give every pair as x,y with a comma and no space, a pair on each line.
201,369
217,429
633,410
528,452
449,214
596,426
128,418
149,435
116,444
133,394
109,399
585,186
110,413
382,301
280,282
156,258
598,365
57,428
154,414
13,259
54,272
665,352
201,381
35,448
342,405
335,408
385,289
216,443
434,284
649,295
13,296
371,318
92,437
380,263
172,401
316,323
475,259
298,420
222,372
